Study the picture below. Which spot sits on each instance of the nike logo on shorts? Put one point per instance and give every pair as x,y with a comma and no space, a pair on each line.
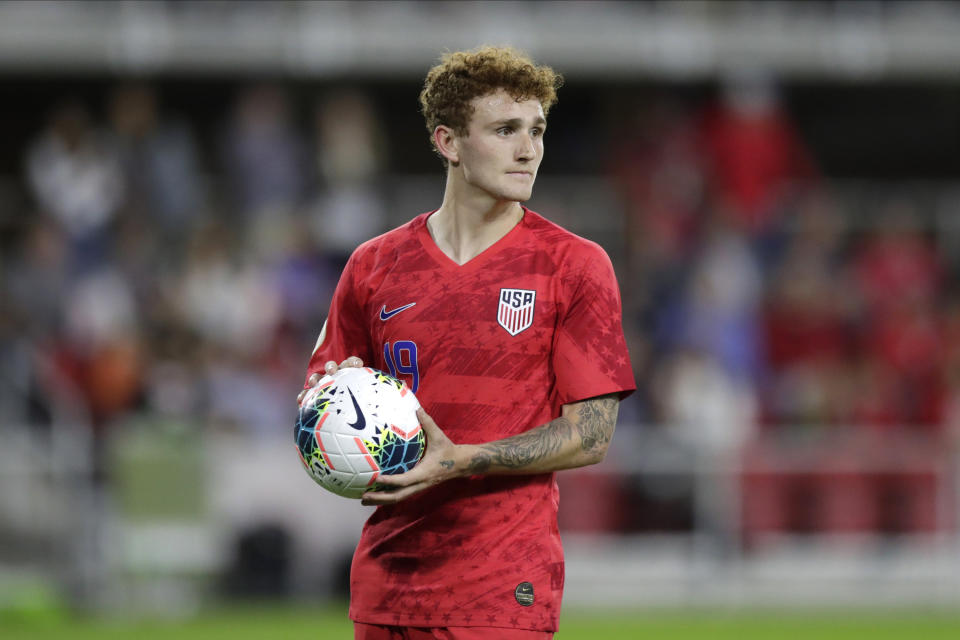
386,315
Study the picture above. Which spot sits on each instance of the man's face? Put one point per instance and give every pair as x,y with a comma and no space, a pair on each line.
504,146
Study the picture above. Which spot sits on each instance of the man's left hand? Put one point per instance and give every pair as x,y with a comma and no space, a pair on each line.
437,465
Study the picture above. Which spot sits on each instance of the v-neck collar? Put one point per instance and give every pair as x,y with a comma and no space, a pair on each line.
445,261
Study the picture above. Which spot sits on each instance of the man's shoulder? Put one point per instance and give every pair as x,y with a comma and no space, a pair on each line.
403,233
387,243
550,234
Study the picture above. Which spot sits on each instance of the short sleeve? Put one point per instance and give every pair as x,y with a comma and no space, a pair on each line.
590,357
345,332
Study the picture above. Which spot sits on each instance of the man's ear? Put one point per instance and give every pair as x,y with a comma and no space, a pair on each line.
445,139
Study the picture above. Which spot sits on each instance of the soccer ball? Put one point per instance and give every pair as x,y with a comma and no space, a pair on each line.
355,425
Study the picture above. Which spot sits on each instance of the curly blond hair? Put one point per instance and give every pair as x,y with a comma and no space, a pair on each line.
462,76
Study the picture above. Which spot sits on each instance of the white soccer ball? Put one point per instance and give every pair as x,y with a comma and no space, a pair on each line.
354,426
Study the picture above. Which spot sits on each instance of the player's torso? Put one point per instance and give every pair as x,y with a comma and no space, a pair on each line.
478,343
473,341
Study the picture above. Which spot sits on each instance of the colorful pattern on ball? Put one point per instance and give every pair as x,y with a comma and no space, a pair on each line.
395,453
356,425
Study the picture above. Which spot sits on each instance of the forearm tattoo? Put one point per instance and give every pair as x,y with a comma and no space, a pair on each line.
594,426
525,448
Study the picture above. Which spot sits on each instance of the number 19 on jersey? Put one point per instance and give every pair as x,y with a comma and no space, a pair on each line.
401,359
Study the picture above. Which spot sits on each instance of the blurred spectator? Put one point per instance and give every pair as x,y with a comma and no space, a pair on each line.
754,154
158,158
718,311
101,348
808,323
350,151
303,280
804,317
36,279
89,371
658,170
872,394
350,144
75,176
224,295
908,342
900,277
33,283
895,265
950,401
263,155
702,404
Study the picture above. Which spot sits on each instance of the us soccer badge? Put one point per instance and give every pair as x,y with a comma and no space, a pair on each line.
515,312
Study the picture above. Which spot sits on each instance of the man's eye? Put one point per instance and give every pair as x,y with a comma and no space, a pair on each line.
536,133
504,131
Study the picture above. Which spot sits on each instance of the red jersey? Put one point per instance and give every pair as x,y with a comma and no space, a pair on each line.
492,348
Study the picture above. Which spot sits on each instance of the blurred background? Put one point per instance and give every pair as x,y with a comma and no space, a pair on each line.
777,183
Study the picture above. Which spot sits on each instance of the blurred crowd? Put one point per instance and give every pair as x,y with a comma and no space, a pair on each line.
146,274
758,306
815,349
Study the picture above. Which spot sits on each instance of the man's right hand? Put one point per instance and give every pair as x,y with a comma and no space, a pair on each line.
329,369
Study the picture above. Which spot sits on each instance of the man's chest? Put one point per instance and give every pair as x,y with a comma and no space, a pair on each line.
482,324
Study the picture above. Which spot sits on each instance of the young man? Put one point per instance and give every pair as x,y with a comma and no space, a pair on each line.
507,327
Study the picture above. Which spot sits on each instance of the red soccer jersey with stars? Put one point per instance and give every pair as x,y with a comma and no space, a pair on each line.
492,348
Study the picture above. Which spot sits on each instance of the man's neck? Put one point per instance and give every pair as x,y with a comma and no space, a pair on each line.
464,227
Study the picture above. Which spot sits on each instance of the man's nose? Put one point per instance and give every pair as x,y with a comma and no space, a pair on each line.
526,149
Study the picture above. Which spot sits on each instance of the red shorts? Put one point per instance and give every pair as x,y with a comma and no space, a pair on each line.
363,631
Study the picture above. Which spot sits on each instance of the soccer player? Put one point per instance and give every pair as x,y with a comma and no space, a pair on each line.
508,329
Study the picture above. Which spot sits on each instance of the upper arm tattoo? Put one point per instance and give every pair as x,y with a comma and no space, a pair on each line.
596,419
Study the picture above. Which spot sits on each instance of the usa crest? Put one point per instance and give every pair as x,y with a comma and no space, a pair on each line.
515,311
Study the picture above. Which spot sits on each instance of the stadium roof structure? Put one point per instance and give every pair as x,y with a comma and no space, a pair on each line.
667,40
